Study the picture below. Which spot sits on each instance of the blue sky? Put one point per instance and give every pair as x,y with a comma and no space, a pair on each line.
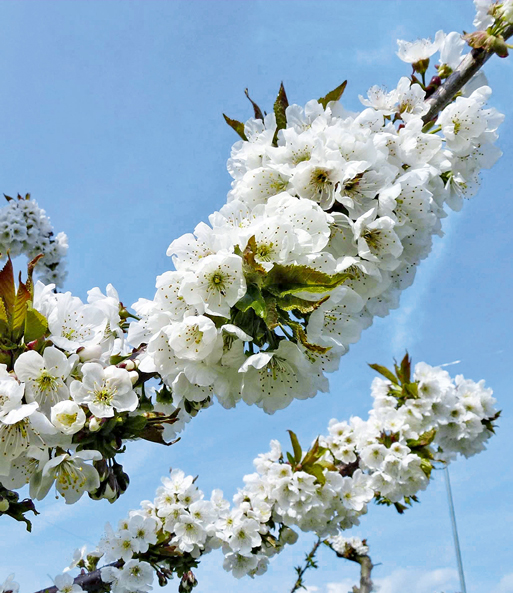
110,115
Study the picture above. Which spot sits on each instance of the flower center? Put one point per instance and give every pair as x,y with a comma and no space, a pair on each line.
104,395
67,419
46,382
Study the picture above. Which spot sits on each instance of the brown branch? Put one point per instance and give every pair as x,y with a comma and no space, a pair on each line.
90,581
469,66
366,567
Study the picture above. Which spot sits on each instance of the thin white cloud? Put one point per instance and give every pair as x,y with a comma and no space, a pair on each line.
413,580
505,585
385,54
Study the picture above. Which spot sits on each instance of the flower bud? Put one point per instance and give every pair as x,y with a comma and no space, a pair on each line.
187,583
129,365
134,377
86,353
4,505
102,468
111,492
94,424
488,42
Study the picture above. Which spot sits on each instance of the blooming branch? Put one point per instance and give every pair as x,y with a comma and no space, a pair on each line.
417,423
467,69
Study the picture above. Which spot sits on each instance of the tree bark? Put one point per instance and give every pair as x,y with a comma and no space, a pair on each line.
365,574
470,64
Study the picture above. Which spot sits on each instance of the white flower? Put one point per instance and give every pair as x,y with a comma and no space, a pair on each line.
216,284
240,565
465,119
273,379
71,475
136,576
104,390
168,297
483,18
317,180
68,417
65,584
9,585
144,531
275,240
20,428
194,338
11,394
310,222
189,249
73,324
245,536
188,532
45,376
334,322
377,241
451,49
415,51
379,99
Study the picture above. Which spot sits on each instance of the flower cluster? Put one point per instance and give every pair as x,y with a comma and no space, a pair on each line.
329,214
65,399
416,424
348,545
25,229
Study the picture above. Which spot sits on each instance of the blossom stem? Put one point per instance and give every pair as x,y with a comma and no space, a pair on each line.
470,64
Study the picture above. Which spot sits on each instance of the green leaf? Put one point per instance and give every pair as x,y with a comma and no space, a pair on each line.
134,425
426,466
313,454
248,257
411,390
298,453
280,106
236,125
333,95
3,313
291,303
288,280
315,470
424,439
23,297
30,270
256,109
385,372
36,325
7,289
300,335
404,370
271,317
253,299
291,459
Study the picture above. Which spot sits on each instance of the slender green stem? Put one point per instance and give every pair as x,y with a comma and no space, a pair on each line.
309,563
